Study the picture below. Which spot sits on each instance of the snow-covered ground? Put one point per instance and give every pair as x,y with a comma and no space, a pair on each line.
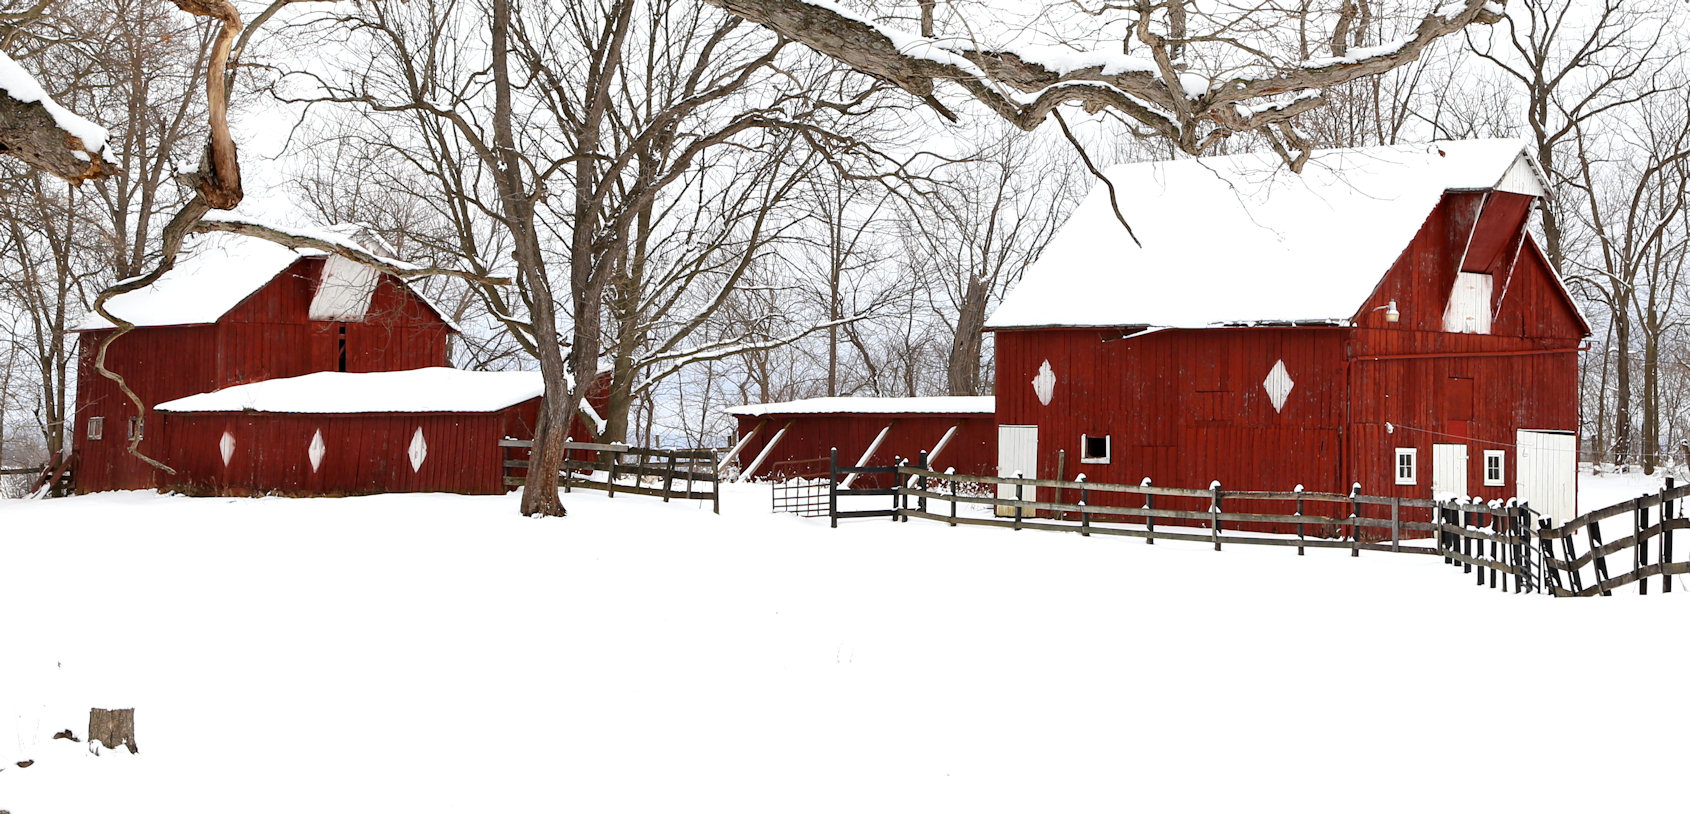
432,653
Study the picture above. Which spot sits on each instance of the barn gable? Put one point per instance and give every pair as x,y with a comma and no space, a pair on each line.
1240,240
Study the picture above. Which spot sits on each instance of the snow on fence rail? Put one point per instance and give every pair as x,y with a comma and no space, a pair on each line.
628,470
1506,544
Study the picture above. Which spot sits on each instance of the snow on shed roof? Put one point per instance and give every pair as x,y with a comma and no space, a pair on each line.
844,404
425,390
1241,239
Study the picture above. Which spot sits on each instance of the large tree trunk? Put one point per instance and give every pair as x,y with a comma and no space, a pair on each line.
962,370
1622,388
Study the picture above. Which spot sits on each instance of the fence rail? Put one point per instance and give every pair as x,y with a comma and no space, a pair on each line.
1505,545
683,473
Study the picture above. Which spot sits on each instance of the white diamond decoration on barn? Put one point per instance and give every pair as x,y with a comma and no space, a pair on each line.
1044,384
418,450
1278,385
316,450
227,447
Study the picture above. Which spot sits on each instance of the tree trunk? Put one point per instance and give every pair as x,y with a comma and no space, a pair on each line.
112,727
1622,388
962,369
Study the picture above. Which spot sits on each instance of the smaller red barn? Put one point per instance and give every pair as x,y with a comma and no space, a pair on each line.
793,438
428,430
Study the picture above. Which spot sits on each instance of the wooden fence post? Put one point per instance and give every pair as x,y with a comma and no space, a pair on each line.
1300,538
1215,513
900,494
669,477
715,484
1355,517
1601,572
921,483
833,486
1149,520
1640,552
1018,476
1085,514
1396,523
952,471
610,482
1551,574
1666,537
566,466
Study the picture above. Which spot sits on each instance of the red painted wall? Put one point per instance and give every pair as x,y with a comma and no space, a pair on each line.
266,336
1187,407
803,451
364,452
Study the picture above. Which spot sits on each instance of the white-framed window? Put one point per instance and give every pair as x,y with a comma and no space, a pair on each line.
1094,449
96,427
134,428
1408,466
1494,470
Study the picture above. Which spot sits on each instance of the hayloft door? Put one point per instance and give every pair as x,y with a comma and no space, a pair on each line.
1545,469
1018,452
1449,470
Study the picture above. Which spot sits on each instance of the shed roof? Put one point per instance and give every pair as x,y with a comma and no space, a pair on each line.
1241,239
218,273
942,405
424,390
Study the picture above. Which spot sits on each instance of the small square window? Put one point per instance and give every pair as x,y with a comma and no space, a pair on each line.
1094,449
96,428
134,428
1493,467
1407,470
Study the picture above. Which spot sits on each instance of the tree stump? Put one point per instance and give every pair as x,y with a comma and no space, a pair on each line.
113,727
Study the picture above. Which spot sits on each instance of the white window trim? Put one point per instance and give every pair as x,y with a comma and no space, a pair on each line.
1413,466
134,428
1084,442
1501,478
96,427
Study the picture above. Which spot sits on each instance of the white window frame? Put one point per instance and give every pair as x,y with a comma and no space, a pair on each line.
134,428
1501,458
1413,455
1085,442
96,427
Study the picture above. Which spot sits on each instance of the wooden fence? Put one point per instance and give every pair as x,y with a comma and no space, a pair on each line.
685,474
1505,544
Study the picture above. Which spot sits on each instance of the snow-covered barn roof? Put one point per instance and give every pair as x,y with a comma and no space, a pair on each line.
882,406
1241,239
425,390
219,272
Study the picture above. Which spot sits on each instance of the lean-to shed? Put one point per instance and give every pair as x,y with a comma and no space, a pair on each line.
793,438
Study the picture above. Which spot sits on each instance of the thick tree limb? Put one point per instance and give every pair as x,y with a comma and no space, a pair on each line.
1021,88
37,131
299,240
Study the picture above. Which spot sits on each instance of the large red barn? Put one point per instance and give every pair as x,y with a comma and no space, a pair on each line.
262,352
1383,318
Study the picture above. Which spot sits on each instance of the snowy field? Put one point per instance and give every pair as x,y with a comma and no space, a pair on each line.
430,653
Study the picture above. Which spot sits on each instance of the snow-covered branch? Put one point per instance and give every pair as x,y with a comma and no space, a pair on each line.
41,133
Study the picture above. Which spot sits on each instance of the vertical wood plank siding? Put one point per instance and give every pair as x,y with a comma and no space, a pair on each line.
1187,407
266,336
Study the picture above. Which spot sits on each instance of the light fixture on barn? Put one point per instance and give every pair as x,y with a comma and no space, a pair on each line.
1391,312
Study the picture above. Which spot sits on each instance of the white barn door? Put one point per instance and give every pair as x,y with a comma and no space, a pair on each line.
1018,451
1449,470
1545,470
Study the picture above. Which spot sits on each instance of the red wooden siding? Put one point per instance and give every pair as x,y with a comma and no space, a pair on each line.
364,452
803,450
1188,407
268,335
1181,407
